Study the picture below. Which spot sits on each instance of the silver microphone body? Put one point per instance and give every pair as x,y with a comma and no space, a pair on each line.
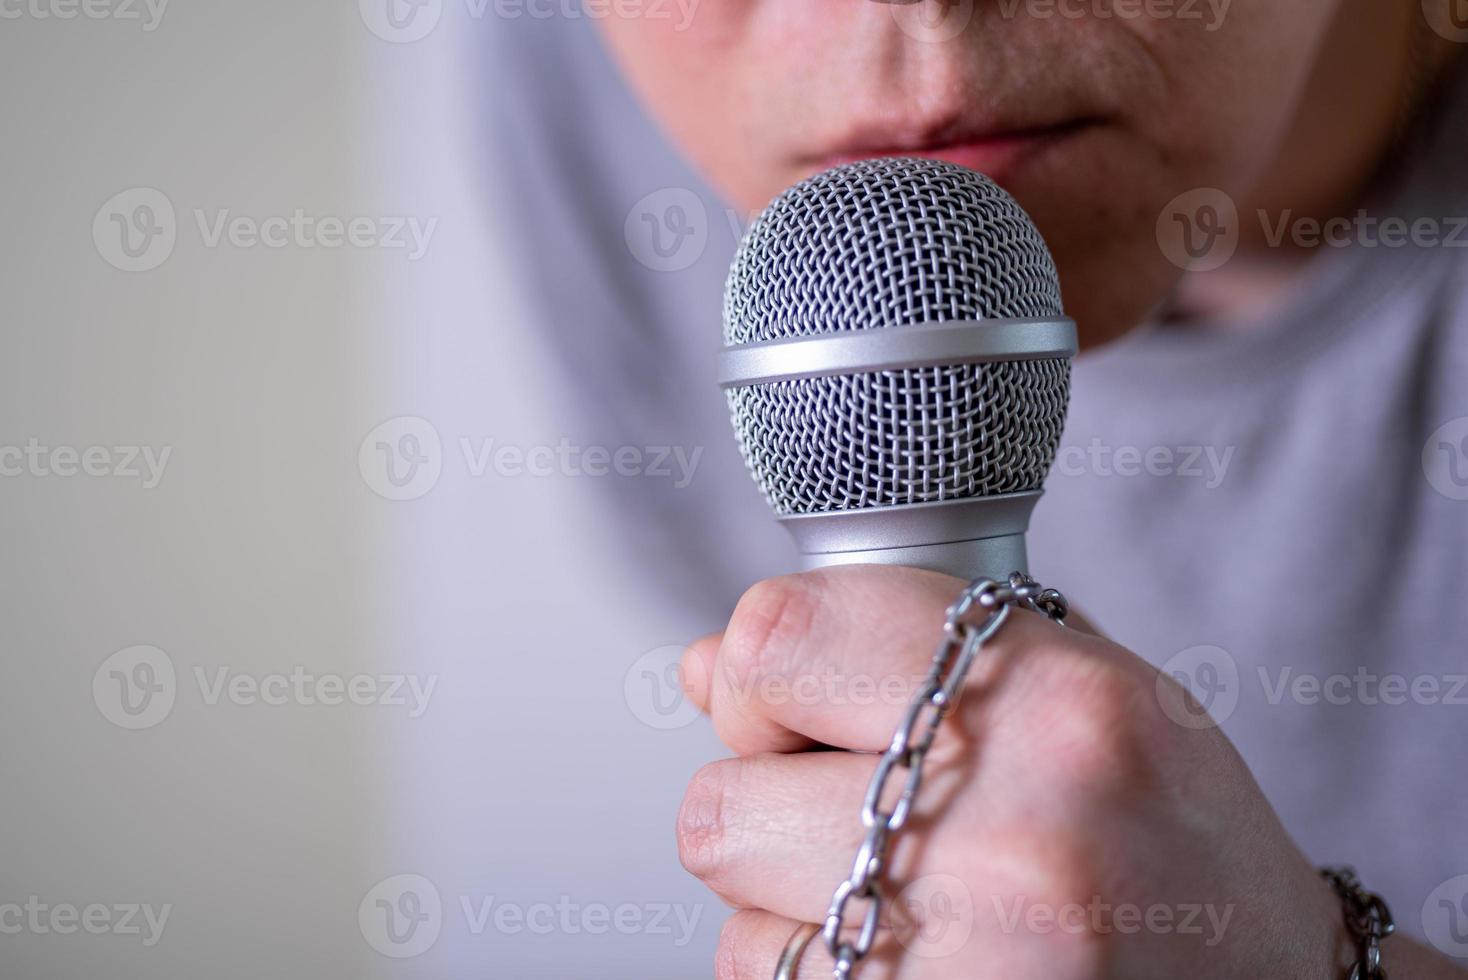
897,364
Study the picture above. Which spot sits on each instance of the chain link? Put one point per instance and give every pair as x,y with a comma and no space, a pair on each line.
1368,920
969,623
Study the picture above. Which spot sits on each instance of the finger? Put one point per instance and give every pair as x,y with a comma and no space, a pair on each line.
804,657
775,831
835,656
696,669
779,832
753,941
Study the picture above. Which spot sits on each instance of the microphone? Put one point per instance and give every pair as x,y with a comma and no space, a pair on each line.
897,365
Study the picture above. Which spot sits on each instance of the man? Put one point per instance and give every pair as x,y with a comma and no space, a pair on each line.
1064,782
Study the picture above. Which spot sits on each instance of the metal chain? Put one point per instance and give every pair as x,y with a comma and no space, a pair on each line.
963,638
1368,920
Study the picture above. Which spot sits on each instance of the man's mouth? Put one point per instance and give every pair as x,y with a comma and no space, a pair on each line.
1000,154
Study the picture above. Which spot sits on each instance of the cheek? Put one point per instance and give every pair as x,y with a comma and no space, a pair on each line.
658,60
1211,110
701,83
1233,81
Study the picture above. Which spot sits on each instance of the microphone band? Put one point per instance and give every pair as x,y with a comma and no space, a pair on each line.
911,525
918,345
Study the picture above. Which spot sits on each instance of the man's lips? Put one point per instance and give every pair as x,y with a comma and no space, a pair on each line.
999,156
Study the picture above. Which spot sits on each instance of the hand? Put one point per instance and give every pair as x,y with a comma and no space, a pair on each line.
1066,826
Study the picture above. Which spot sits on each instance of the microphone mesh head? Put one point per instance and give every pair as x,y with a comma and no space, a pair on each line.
876,245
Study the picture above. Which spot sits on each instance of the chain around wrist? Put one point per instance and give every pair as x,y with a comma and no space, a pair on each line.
1368,921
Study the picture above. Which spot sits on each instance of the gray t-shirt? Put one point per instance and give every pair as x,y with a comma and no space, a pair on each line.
1271,510
1278,511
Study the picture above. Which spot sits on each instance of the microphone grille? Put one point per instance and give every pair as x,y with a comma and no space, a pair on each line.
883,243
880,244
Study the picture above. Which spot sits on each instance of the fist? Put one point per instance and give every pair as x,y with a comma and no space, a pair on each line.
1065,826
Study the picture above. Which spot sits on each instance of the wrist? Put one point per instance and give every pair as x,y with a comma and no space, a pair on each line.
1331,951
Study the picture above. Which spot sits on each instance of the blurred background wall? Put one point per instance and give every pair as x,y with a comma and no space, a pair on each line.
300,680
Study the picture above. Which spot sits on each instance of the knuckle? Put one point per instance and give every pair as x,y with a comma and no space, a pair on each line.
1092,727
767,632
1058,869
703,829
1050,879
